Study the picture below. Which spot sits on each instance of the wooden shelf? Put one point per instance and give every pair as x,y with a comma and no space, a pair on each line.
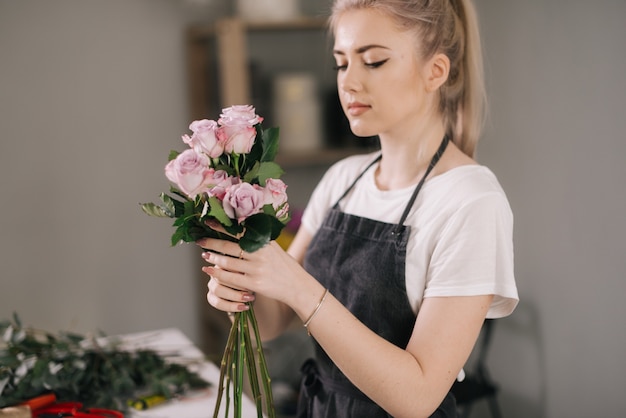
230,55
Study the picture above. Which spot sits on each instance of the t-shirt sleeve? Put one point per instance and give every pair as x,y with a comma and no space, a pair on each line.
474,255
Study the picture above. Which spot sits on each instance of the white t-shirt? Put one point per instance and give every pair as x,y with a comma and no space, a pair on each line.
461,241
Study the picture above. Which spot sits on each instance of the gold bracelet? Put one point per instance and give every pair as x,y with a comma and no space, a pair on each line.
317,308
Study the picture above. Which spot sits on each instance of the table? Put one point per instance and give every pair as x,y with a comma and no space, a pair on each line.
172,341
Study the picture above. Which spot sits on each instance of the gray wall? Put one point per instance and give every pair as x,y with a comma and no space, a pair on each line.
556,78
93,95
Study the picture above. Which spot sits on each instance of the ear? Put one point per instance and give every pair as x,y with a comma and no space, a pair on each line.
437,70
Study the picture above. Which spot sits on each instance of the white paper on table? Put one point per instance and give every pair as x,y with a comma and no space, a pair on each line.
172,342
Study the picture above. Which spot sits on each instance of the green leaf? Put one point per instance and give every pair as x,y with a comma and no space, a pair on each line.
270,144
180,221
268,170
101,375
169,203
188,208
257,148
269,210
178,235
276,226
252,173
260,229
155,210
217,211
177,192
234,229
172,155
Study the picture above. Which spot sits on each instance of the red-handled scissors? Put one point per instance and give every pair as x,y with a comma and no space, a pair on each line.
74,409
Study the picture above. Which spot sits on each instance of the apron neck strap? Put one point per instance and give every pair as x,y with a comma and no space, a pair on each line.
357,179
433,162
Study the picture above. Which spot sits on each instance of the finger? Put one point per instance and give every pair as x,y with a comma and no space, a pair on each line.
227,262
230,278
227,299
229,293
220,246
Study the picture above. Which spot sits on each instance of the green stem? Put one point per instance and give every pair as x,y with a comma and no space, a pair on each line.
239,366
239,357
265,375
253,375
236,163
225,364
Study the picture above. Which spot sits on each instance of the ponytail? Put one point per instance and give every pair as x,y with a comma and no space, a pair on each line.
463,96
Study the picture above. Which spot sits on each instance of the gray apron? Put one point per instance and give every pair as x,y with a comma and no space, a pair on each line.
362,263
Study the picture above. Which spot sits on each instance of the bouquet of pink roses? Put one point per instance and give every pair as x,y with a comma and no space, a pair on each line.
228,175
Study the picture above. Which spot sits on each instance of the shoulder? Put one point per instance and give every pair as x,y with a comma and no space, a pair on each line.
466,183
465,197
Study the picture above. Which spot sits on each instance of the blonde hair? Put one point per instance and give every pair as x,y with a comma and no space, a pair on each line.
449,27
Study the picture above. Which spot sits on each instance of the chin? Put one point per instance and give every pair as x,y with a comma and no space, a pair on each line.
362,131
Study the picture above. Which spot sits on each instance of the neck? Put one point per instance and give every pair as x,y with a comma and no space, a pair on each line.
405,158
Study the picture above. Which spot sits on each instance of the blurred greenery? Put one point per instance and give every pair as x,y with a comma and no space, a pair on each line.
97,372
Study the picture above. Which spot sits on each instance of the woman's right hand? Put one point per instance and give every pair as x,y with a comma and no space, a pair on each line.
226,298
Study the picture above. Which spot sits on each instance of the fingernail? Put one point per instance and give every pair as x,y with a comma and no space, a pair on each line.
206,256
248,297
212,223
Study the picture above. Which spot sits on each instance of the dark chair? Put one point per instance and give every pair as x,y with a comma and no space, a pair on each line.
477,385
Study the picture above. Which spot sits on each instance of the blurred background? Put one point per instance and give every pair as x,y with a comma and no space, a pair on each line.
94,94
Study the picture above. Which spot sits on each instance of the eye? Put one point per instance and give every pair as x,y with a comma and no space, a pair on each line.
375,64
340,67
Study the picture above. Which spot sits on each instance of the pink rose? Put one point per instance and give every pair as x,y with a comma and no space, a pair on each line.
243,200
240,115
205,138
189,171
237,128
219,182
275,193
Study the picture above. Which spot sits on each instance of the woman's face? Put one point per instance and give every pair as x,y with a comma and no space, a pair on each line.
379,74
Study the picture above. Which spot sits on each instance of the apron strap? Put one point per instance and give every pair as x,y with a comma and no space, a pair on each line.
444,143
357,179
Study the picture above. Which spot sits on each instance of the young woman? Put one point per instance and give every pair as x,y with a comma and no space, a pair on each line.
404,252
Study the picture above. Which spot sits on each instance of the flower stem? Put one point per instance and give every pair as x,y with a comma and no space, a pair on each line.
265,375
239,358
253,375
225,365
239,366
236,163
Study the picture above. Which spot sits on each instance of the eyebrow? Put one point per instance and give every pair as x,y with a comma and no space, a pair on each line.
361,49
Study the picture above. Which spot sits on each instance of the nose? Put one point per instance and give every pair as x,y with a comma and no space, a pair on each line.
349,80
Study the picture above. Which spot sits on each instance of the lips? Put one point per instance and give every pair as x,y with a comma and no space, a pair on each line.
357,108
